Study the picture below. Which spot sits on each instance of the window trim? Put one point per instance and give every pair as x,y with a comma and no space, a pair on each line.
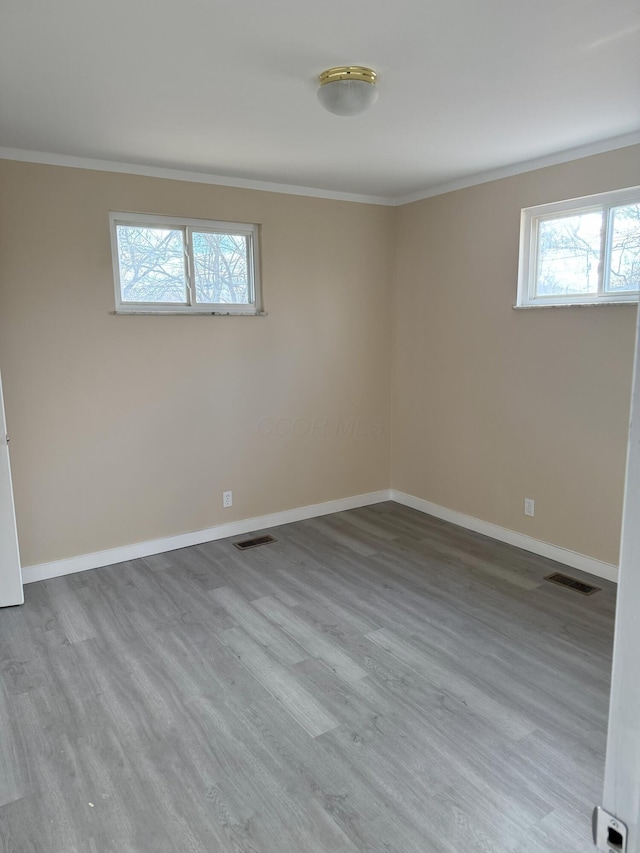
528,253
187,226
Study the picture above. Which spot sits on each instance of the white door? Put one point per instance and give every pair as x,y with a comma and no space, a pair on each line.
621,797
10,576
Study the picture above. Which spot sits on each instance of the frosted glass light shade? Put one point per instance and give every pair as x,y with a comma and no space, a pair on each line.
347,97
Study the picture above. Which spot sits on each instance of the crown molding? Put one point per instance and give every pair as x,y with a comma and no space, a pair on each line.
577,153
48,159
601,147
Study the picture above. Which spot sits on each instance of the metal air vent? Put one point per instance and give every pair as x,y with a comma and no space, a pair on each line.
572,583
253,543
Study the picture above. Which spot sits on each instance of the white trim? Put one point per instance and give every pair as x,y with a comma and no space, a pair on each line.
555,159
82,563
511,537
141,311
48,159
602,304
621,793
55,569
11,592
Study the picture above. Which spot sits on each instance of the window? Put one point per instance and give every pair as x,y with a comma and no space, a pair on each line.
581,252
185,266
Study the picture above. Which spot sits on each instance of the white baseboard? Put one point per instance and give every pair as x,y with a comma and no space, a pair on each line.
55,569
607,571
250,525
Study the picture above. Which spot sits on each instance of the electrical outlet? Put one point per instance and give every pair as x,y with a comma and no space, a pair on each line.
227,499
529,507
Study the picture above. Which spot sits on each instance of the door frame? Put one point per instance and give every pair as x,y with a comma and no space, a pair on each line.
11,591
621,795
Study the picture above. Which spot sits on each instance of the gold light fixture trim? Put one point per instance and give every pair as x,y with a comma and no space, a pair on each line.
348,72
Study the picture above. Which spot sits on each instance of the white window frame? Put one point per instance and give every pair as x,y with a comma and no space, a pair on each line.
187,227
529,227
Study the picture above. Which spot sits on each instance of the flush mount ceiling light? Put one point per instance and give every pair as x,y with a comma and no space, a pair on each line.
347,90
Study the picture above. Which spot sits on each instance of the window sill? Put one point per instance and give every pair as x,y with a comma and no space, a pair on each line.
190,313
575,305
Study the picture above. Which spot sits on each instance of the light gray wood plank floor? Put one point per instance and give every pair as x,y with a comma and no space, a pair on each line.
376,680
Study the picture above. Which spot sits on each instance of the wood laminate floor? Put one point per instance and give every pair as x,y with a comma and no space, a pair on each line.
376,680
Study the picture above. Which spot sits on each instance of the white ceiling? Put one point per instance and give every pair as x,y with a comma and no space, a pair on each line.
229,87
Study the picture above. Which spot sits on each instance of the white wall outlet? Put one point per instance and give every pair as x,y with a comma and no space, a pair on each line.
529,507
227,499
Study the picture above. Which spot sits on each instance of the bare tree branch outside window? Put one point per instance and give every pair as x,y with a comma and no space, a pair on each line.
153,266
221,268
569,254
624,268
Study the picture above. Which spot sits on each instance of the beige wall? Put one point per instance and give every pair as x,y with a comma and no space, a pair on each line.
490,404
128,428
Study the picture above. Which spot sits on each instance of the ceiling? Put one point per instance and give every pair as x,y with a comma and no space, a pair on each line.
229,88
